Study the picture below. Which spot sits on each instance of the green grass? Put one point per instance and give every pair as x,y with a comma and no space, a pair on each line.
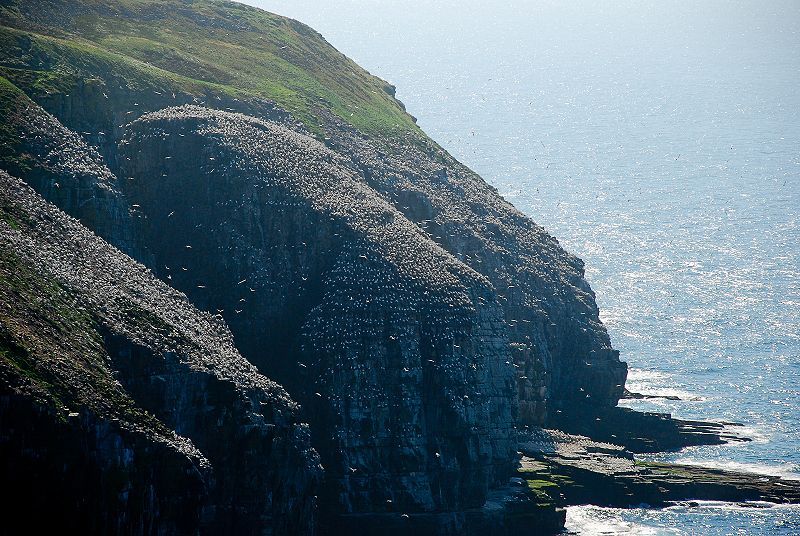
206,46
537,484
10,220
11,101
74,61
545,484
17,283
22,363
542,490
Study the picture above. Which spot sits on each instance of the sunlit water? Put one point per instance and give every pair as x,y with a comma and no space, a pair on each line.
660,142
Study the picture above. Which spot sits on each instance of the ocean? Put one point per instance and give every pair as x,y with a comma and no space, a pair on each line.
660,142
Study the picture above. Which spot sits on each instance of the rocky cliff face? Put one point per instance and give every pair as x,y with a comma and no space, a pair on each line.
417,317
165,427
561,351
60,165
398,351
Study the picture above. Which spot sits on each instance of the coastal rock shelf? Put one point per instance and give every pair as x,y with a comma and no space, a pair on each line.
570,470
645,431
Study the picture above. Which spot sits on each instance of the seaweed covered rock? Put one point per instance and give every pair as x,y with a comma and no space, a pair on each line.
124,409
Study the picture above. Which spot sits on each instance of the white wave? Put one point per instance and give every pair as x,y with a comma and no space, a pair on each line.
756,434
636,374
656,383
725,505
789,471
597,521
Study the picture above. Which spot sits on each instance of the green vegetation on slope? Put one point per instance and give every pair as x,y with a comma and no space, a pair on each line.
50,346
12,100
43,66
211,45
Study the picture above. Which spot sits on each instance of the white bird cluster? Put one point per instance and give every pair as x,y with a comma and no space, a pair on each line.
430,271
130,300
395,307
62,152
468,217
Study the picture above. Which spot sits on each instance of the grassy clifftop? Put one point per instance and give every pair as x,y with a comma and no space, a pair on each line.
210,46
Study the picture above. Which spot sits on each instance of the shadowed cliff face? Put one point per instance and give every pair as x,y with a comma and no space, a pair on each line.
330,275
562,353
561,350
164,426
416,316
59,164
398,350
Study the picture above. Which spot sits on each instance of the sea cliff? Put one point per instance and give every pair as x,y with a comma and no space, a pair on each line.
254,297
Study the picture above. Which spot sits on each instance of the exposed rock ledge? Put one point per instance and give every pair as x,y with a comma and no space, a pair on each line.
565,469
640,431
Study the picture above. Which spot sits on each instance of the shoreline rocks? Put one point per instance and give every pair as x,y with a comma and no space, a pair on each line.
571,470
641,431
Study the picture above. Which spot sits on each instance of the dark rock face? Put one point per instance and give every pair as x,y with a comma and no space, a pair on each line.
397,350
561,350
166,428
57,163
378,288
415,314
266,469
83,474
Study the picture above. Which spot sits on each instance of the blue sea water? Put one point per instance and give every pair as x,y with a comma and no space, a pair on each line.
660,142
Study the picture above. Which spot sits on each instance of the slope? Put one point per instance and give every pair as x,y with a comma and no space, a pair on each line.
120,400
